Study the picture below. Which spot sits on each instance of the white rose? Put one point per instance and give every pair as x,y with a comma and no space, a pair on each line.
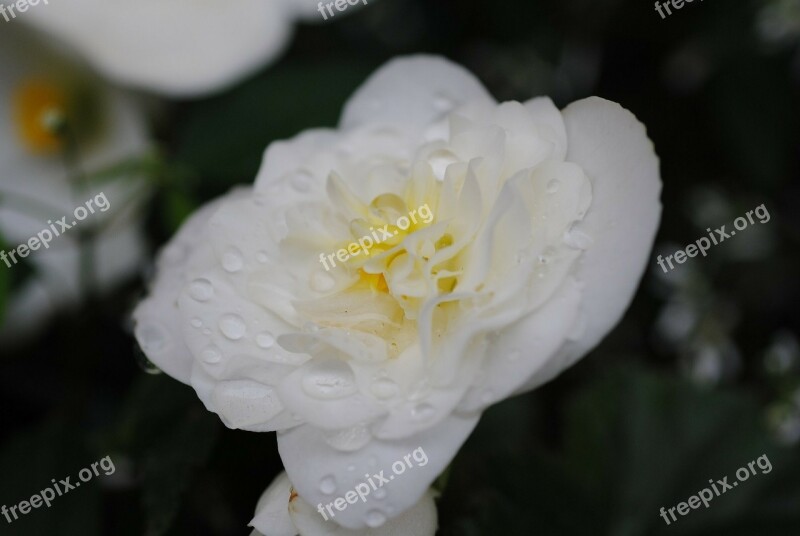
282,512
542,224
176,47
37,184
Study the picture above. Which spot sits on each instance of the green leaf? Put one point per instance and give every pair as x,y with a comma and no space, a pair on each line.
629,443
639,442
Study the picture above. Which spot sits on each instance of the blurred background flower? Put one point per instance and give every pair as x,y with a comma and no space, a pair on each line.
176,48
59,125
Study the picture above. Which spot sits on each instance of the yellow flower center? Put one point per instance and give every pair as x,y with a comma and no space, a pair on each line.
39,114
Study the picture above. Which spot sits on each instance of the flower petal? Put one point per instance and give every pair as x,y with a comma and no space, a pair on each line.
272,511
159,323
414,91
310,461
613,149
419,520
179,48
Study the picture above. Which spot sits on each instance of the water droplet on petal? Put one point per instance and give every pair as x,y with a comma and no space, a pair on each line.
152,338
443,103
265,339
211,355
329,380
232,326
232,260
422,411
375,518
196,323
147,366
349,440
243,403
577,239
201,290
262,257
380,493
384,388
322,281
328,485
302,181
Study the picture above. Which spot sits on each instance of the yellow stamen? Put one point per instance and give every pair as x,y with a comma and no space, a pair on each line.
39,112
375,281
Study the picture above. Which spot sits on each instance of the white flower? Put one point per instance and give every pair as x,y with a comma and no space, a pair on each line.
543,224
282,512
38,90
174,47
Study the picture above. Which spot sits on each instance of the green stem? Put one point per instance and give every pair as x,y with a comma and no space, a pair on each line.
75,175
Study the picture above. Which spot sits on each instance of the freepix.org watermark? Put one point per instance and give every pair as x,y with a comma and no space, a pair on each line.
47,495
677,4
373,483
20,6
365,243
44,237
341,5
702,245
705,495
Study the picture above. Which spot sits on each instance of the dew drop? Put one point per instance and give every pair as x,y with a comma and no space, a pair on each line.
243,403
349,440
147,366
152,338
302,181
232,260
577,239
262,257
384,388
232,326
422,411
211,355
329,380
265,339
375,518
322,282
443,103
201,290
380,493
328,485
